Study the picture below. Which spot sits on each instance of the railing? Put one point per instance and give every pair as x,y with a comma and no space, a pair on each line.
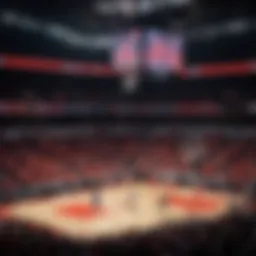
66,109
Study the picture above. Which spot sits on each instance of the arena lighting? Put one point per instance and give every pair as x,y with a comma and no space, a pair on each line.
69,37
106,7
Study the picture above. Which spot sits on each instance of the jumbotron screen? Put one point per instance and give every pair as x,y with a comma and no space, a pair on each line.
153,51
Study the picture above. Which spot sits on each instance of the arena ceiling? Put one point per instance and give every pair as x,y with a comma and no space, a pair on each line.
82,14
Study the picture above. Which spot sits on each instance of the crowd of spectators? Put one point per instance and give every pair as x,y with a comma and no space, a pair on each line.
38,162
48,161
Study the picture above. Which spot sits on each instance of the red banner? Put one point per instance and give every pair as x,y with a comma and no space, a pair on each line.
79,68
47,65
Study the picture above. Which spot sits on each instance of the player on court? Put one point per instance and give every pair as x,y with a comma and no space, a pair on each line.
163,202
131,201
96,199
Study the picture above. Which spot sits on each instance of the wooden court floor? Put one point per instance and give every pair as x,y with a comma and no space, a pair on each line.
122,208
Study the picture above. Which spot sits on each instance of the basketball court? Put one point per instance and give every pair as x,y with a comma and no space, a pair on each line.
123,208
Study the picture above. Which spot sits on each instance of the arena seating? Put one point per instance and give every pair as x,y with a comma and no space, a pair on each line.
6,184
47,161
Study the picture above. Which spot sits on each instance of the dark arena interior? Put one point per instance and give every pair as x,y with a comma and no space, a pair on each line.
128,127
